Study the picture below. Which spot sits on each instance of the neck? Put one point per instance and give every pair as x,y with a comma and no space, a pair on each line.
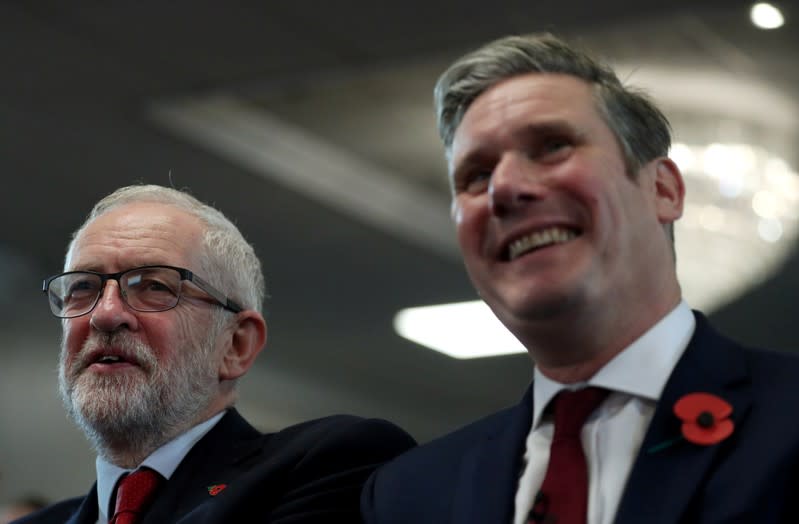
130,449
575,347
126,456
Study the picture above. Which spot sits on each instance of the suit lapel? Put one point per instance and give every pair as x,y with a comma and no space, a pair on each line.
486,486
710,364
87,512
213,461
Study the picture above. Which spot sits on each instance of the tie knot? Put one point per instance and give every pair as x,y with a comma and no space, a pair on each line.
134,493
572,409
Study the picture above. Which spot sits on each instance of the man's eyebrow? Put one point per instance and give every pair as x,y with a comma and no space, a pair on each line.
99,269
474,157
552,127
482,151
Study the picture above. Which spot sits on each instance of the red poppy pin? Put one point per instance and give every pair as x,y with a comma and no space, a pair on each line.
215,489
705,418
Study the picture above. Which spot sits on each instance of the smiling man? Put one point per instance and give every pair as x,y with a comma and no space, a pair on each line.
564,200
161,307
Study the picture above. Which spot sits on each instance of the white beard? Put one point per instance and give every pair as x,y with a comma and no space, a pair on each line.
147,407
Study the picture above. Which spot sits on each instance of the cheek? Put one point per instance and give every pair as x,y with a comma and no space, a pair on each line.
470,223
171,338
456,212
162,337
599,197
76,331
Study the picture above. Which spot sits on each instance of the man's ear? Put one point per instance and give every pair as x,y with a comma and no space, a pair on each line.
669,190
245,340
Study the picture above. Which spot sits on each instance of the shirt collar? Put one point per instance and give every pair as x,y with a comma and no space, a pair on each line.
164,460
641,369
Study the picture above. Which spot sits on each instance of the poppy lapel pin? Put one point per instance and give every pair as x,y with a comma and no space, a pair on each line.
705,420
216,489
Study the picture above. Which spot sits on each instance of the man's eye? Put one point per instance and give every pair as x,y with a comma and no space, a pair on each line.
554,148
81,284
140,284
476,181
81,287
154,285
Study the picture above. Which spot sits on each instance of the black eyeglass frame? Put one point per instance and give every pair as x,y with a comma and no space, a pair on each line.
185,274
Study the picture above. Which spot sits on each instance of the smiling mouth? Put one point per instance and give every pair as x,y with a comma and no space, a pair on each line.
539,239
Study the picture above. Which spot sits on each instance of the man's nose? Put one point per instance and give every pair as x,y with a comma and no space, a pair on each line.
112,312
514,184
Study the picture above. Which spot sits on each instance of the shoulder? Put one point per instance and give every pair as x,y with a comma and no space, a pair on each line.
765,377
312,471
346,434
335,444
421,484
708,340
443,455
776,365
773,371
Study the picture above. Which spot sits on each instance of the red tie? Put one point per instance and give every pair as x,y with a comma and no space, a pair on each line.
135,491
563,497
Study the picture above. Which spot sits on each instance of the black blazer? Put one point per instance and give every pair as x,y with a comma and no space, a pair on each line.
471,476
310,472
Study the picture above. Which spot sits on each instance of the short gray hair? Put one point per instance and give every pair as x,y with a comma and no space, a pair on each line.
642,130
228,261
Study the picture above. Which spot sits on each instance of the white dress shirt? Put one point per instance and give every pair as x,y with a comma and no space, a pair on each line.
613,433
164,460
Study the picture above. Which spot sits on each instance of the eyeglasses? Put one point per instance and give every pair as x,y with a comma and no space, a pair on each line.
146,288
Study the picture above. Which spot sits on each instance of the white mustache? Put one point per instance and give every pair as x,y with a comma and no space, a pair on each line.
119,343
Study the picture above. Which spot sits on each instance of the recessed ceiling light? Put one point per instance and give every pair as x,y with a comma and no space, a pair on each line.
766,16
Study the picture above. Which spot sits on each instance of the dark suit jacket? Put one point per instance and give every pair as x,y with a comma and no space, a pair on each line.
470,476
311,472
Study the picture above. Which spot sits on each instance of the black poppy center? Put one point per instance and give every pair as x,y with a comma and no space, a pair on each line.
705,419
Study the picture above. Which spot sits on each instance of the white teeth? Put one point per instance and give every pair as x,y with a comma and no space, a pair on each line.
553,235
109,359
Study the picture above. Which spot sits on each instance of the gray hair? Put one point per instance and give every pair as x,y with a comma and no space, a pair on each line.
642,130
228,261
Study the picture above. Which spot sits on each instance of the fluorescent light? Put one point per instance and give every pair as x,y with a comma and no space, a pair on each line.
460,330
766,16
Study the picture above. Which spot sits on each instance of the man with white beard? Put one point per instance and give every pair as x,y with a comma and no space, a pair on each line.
161,305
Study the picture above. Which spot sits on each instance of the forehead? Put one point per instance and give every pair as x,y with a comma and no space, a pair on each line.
523,100
541,90
136,234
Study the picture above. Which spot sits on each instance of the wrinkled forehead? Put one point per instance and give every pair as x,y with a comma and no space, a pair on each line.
137,234
529,99
545,89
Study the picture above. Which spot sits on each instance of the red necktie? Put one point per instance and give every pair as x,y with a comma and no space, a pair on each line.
134,493
563,497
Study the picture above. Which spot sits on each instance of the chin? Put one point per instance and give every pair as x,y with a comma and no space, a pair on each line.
101,397
536,305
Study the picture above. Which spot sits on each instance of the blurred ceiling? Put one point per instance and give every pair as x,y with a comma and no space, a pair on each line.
310,125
